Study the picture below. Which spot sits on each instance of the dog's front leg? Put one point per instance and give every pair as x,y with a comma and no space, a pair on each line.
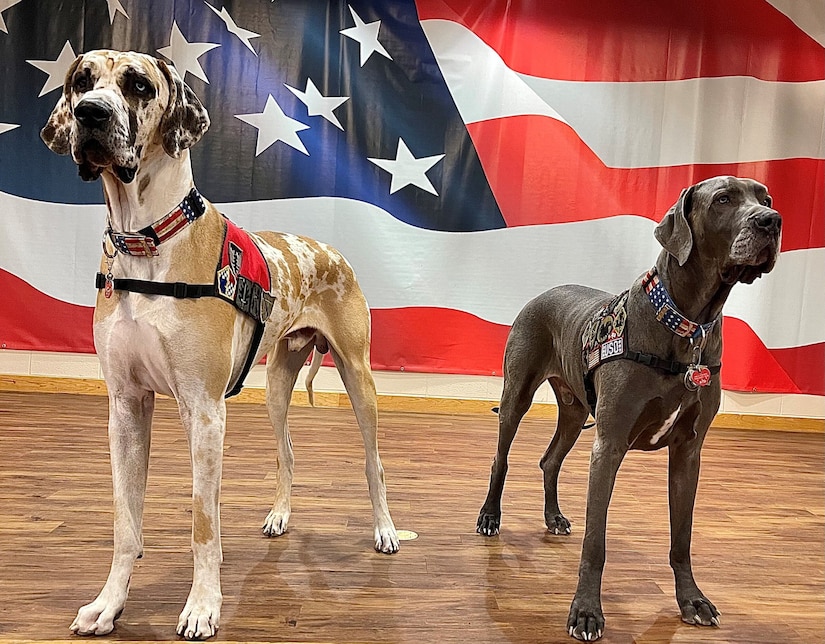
586,619
204,420
683,478
130,422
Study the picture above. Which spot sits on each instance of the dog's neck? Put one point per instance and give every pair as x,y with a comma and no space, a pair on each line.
160,184
696,287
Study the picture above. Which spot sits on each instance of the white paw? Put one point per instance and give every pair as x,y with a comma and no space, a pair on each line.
386,539
200,618
97,618
276,523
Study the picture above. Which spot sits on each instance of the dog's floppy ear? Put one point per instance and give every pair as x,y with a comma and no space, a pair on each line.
674,232
185,119
56,132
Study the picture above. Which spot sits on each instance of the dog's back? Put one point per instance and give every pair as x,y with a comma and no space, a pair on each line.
548,323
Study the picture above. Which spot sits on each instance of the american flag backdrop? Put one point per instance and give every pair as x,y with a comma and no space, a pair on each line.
464,156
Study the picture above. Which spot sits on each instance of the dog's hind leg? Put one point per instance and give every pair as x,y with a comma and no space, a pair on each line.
130,422
519,388
572,415
355,372
282,370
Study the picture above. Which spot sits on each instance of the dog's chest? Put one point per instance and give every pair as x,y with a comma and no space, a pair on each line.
664,421
131,346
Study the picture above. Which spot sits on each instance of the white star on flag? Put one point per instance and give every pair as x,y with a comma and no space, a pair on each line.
273,126
184,54
407,170
366,34
56,69
114,8
244,35
6,127
6,4
318,105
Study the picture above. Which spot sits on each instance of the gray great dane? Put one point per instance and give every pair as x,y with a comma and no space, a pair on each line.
646,363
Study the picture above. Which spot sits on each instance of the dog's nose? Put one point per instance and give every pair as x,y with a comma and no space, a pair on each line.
769,220
93,113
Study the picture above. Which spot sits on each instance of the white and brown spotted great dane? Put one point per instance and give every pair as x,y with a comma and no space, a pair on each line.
129,119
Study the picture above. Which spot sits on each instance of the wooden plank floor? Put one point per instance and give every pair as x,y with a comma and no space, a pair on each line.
758,535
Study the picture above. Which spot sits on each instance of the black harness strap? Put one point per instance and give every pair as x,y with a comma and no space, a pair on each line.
670,367
181,291
250,360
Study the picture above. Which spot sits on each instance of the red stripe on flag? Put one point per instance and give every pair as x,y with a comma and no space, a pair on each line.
440,338
40,322
639,40
541,172
792,370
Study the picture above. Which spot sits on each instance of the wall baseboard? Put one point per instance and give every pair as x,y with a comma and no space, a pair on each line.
417,404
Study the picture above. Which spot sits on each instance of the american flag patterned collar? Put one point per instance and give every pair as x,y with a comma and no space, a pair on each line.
666,311
145,242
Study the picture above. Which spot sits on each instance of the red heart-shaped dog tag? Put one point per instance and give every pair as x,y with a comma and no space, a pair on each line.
700,376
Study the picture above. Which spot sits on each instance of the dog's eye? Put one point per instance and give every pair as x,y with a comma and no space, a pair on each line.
723,199
82,83
767,201
141,87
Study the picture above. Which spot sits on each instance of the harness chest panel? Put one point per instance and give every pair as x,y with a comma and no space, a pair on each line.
605,334
242,276
605,338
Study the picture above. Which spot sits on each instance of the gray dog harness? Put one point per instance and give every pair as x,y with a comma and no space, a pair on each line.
605,338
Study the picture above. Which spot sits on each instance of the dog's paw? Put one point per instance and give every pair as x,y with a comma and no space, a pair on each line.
97,618
557,524
700,612
488,523
386,539
200,618
275,524
585,621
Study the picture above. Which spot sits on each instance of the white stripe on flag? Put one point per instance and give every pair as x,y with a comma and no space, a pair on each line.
490,274
730,119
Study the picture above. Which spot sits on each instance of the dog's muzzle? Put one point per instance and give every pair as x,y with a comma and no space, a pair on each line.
102,141
755,248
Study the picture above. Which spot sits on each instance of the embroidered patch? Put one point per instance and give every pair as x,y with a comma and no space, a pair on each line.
226,282
235,258
603,337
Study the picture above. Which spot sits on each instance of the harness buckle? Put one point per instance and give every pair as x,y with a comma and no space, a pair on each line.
179,290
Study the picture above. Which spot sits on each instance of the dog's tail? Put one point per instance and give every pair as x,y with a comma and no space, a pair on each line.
317,358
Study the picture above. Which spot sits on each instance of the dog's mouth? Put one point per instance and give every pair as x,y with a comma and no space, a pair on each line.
94,157
126,175
749,271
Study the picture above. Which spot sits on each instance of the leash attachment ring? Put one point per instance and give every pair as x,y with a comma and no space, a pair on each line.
697,374
109,285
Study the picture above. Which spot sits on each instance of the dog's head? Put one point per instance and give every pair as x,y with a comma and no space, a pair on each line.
115,105
726,222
